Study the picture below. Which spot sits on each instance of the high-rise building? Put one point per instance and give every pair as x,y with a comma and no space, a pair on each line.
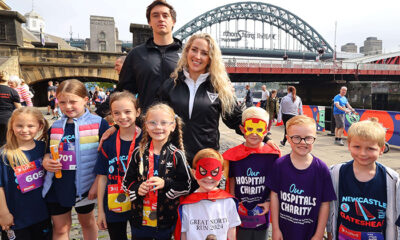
349,47
371,46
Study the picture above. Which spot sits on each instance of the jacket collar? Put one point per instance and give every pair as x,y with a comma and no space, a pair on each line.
203,77
182,76
176,44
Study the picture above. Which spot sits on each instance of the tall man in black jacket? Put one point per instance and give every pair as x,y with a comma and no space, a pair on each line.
148,65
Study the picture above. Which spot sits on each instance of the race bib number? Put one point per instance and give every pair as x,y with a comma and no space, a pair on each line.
118,200
68,156
347,234
30,176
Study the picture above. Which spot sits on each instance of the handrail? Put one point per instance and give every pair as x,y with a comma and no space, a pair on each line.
273,63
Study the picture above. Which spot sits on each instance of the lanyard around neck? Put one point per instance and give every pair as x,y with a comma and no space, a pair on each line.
118,149
150,173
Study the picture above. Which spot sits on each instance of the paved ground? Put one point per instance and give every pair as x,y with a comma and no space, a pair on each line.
323,148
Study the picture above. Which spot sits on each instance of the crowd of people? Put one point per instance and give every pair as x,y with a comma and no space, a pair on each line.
159,169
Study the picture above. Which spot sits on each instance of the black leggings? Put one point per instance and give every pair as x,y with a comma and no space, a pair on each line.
41,230
285,118
3,134
117,230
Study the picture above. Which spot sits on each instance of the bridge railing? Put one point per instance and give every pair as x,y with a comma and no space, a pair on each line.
269,63
382,67
41,56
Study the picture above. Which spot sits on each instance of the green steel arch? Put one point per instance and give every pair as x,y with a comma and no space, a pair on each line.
262,12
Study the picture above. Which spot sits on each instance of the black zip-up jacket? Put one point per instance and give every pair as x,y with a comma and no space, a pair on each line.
201,130
173,169
145,69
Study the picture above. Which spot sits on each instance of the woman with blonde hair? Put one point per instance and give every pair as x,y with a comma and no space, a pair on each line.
200,91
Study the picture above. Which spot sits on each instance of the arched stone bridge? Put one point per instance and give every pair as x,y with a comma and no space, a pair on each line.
41,65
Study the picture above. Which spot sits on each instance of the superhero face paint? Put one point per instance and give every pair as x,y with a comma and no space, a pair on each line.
209,167
255,125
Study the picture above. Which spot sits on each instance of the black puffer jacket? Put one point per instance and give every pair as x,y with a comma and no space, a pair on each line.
145,69
201,130
173,169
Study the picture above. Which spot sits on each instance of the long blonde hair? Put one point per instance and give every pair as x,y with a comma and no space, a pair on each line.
11,149
176,137
218,76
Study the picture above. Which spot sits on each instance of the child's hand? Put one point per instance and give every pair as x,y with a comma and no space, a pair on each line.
156,182
265,207
277,234
101,220
143,189
6,221
106,135
93,191
317,238
51,165
330,236
273,145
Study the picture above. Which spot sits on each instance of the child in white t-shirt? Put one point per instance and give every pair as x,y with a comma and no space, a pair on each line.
209,210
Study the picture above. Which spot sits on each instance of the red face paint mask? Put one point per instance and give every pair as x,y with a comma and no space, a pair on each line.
209,167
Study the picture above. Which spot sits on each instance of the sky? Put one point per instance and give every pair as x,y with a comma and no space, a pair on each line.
356,19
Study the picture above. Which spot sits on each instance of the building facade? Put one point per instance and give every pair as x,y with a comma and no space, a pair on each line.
349,47
103,35
372,46
140,33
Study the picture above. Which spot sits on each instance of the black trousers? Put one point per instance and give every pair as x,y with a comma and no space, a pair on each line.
3,134
41,230
117,230
285,118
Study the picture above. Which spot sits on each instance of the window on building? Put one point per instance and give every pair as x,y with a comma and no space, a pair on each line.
33,23
3,31
102,36
103,47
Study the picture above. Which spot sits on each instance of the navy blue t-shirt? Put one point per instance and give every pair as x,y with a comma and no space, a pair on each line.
362,205
63,190
27,208
156,164
107,165
250,176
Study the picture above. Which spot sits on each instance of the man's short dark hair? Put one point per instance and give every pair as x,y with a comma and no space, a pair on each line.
163,3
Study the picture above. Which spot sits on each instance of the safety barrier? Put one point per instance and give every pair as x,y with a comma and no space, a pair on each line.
389,119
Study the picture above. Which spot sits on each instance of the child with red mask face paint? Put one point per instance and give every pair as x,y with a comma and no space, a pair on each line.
209,210
249,166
